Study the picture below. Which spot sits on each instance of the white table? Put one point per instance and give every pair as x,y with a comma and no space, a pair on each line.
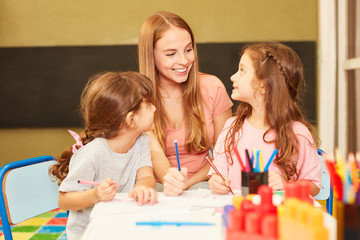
117,219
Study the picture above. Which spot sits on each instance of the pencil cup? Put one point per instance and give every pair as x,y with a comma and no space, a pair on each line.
251,181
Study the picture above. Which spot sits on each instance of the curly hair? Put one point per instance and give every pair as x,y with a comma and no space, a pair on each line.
106,100
281,70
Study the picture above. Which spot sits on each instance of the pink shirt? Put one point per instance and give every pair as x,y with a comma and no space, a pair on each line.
215,102
308,163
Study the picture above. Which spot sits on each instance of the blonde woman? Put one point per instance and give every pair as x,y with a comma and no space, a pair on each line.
192,107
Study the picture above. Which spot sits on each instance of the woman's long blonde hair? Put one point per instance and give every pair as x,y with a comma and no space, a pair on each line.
151,31
281,70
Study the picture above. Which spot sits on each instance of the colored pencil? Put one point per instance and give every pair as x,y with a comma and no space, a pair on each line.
94,183
257,160
177,155
357,157
261,161
338,186
251,169
270,160
163,223
239,159
353,171
340,164
211,153
217,171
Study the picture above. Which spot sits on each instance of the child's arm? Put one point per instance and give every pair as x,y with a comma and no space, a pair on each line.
314,189
144,189
79,200
218,186
275,180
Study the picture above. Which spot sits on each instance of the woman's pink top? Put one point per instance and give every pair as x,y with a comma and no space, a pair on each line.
308,162
215,102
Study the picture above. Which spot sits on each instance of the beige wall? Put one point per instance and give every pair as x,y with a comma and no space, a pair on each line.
112,22
107,22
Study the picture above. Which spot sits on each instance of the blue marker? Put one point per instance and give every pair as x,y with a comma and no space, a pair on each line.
211,153
162,223
320,152
177,155
270,160
257,158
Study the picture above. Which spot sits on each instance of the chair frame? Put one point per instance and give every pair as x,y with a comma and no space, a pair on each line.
329,199
4,210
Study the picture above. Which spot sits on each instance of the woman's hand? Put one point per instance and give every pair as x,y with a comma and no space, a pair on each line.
175,181
106,190
276,181
143,194
218,186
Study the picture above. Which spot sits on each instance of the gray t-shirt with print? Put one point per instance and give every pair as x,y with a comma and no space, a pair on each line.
95,162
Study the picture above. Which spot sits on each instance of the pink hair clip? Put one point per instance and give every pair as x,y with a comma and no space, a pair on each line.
77,139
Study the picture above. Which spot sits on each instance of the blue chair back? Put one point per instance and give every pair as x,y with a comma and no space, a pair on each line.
27,191
326,191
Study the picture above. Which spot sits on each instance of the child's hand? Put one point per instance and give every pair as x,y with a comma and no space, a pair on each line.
106,190
143,194
219,186
276,181
175,181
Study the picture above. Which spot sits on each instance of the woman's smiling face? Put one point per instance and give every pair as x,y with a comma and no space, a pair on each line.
174,55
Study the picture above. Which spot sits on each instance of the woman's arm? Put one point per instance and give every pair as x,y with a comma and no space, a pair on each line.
176,179
200,176
219,122
159,160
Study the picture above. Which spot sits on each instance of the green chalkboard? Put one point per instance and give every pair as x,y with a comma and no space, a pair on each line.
41,86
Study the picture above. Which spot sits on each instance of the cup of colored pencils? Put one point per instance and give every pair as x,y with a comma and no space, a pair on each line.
251,181
253,177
